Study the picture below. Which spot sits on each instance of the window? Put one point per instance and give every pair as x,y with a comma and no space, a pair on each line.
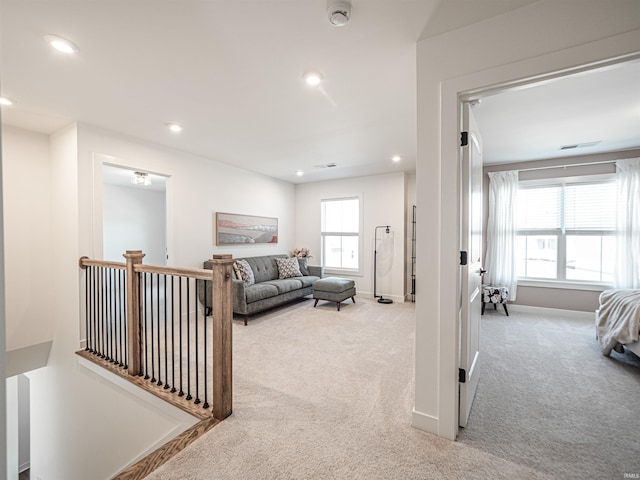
566,230
340,231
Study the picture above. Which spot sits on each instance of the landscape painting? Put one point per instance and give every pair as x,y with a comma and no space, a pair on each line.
234,229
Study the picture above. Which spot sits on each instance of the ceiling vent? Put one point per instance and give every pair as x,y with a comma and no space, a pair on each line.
327,165
579,145
339,12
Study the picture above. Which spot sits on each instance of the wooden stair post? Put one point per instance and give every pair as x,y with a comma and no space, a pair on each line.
222,340
134,257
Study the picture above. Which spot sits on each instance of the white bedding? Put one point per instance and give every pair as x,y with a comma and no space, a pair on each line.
618,321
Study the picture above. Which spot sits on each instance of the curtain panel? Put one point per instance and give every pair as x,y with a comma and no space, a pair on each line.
501,231
628,224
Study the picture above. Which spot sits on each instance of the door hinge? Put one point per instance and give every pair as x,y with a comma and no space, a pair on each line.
463,257
464,139
462,375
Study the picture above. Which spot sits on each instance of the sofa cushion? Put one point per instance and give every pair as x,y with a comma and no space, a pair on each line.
286,285
244,272
260,291
303,263
288,267
308,280
264,268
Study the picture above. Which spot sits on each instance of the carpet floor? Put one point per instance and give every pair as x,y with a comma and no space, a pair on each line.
321,394
548,398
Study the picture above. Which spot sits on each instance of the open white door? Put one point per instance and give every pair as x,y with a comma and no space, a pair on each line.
471,268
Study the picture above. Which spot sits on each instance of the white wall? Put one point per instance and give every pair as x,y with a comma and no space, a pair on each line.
134,218
197,188
28,224
540,38
383,198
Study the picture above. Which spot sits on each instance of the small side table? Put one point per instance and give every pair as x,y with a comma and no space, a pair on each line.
495,294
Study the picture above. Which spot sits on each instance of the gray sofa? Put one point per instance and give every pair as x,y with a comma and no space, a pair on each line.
268,290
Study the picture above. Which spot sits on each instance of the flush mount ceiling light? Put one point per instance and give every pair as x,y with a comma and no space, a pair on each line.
6,101
339,12
140,178
313,79
299,173
396,158
61,44
174,127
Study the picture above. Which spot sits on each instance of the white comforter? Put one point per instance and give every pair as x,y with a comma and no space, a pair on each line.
618,320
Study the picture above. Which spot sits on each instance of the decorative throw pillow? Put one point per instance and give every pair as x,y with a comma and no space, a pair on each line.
288,267
303,263
244,272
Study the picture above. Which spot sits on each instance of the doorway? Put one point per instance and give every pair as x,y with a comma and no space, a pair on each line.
134,214
536,89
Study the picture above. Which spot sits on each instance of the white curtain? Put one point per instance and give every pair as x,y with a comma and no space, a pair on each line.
501,231
628,224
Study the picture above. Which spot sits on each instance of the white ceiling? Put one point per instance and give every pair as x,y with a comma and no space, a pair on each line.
230,73
600,106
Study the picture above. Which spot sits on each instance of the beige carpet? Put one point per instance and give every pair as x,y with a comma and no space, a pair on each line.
325,394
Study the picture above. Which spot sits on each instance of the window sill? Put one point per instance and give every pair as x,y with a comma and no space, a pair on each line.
593,287
343,272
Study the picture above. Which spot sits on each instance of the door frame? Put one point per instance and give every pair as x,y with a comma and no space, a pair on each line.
98,160
523,74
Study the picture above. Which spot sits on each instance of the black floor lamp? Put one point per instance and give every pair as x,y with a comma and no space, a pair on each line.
380,298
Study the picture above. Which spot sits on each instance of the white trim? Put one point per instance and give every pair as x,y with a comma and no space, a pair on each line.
514,308
591,287
425,422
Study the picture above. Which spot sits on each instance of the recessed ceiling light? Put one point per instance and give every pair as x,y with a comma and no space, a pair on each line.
61,44
313,79
396,158
299,173
174,127
6,101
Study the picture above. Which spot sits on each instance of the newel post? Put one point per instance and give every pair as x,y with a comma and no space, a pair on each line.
134,257
222,340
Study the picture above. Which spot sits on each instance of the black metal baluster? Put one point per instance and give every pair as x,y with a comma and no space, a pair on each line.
86,308
90,332
109,315
124,346
166,350
158,329
103,311
146,339
153,356
197,400
181,392
95,300
206,404
173,342
189,397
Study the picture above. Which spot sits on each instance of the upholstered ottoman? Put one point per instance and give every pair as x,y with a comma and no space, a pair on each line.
495,294
334,289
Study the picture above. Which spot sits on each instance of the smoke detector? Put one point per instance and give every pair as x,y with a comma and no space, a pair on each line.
339,12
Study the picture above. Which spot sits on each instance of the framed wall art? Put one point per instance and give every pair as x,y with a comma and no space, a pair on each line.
236,229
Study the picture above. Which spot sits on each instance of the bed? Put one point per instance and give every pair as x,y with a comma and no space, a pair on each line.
618,321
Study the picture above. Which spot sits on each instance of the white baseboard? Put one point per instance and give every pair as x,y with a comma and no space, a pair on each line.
422,421
550,311
25,466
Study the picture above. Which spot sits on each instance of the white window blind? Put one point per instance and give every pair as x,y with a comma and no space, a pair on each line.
539,208
566,230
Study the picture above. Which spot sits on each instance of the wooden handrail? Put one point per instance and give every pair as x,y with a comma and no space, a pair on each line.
198,274
85,262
